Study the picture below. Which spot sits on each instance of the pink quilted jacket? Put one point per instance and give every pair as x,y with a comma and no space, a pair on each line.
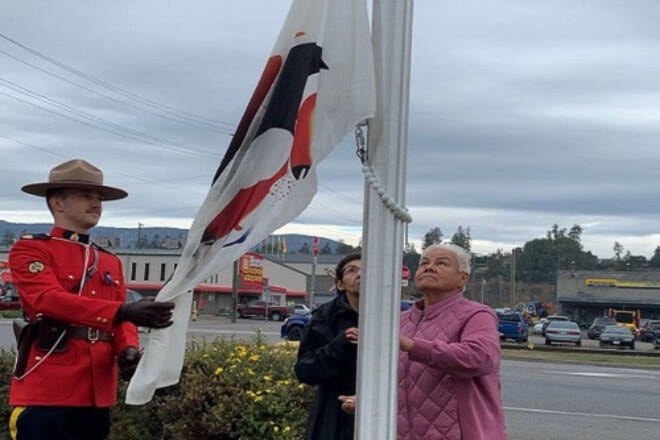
449,386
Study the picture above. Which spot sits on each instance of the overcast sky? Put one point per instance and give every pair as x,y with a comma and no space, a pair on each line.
522,113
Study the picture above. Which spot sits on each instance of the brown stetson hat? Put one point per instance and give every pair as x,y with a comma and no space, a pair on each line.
75,173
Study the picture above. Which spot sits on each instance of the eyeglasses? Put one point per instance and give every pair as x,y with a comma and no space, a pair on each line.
351,270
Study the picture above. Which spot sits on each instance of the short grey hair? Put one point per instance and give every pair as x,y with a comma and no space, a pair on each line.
462,255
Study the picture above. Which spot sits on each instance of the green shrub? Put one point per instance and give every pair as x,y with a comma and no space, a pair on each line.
6,372
11,314
229,389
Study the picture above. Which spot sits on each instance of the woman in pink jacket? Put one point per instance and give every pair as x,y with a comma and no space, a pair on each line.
449,386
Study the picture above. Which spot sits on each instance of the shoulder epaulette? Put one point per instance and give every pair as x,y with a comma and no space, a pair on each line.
101,248
31,236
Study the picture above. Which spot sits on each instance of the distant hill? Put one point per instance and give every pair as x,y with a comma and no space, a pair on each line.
149,236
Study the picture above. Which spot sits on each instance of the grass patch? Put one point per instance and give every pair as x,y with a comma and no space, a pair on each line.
603,359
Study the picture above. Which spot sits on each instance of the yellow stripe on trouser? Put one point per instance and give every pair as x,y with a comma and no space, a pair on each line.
13,419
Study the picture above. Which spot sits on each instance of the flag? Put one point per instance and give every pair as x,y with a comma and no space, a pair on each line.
317,84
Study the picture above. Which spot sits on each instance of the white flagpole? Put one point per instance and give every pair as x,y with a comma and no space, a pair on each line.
378,348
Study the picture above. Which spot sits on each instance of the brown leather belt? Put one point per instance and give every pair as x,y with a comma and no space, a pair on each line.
89,333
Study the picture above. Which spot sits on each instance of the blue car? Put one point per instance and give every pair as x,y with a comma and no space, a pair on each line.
512,326
292,327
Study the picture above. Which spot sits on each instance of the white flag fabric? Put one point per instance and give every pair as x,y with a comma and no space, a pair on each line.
317,85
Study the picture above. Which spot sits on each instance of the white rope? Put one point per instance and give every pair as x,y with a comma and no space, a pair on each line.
399,211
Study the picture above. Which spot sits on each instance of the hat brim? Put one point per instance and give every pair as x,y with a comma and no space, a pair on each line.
41,189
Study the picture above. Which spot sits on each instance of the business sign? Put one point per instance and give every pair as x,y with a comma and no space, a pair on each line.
251,269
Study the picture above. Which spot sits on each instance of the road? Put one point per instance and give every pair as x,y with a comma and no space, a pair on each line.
551,401
543,401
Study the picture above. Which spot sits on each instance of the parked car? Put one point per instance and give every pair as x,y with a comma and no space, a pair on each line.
292,327
563,331
597,327
406,304
616,336
550,319
650,331
301,309
538,327
512,325
656,343
10,303
274,311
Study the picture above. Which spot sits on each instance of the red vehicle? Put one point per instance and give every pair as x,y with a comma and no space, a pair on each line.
10,303
273,311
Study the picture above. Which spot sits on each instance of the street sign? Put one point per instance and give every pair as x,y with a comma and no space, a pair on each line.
315,246
405,273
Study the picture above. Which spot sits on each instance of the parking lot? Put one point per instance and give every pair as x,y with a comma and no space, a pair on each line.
590,343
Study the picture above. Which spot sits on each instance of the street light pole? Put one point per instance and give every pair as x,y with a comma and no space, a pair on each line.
483,285
513,277
139,239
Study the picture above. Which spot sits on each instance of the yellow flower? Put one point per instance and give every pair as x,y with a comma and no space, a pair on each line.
219,370
268,378
276,428
287,428
255,357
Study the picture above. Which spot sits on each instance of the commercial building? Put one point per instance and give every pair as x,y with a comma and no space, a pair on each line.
584,295
285,280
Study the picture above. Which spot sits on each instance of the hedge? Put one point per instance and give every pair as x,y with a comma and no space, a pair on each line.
229,389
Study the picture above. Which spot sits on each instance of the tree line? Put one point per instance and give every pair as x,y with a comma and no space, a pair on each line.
538,260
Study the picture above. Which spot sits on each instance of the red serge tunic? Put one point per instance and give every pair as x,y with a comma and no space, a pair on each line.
47,270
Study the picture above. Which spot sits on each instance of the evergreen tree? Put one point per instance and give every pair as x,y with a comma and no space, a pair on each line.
655,259
343,248
575,233
326,250
433,236
8,238
462,238
618,250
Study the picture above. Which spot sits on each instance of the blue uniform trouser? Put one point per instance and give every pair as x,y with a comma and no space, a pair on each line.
60,423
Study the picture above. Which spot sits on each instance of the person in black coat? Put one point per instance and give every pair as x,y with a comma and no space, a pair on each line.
327,356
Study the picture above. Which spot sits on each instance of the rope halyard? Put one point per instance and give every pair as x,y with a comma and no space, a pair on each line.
397,210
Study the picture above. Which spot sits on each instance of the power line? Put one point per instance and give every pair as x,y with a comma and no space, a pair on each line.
108,130
139,179
17,88
182,114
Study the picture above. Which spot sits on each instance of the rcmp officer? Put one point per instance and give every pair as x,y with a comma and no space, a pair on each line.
83,332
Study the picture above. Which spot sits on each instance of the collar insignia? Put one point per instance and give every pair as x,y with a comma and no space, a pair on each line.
36,267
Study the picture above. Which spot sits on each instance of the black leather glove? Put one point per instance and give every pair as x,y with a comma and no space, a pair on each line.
146,313
128,362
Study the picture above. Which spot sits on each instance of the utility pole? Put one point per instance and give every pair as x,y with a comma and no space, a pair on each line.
513,277
315,252
234,292
139,239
